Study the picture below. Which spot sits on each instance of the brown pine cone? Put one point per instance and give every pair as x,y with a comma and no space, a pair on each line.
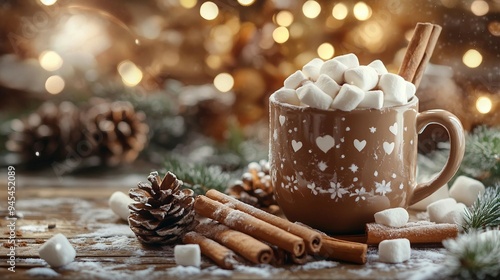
162,213
255,186
116,131
47,135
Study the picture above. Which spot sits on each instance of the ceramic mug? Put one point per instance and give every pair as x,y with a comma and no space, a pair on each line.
333,169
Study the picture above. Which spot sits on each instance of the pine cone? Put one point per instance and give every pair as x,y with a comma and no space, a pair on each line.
117,133
255,186
47,135
162,213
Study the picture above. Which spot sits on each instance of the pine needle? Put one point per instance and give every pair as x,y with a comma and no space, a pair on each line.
485,212
475,255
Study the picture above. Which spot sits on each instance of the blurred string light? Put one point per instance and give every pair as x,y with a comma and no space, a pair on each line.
130,73
484,104
54,84
50,60
284,18
209,10
479,7
362,11
494,28
224,82
48,2
472,58
326,51
188,4
281,35
311,9
340,11
246,2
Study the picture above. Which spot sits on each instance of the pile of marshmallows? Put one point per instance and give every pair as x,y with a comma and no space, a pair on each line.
341,83
447,207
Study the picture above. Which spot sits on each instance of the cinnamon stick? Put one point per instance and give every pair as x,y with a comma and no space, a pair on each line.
422,232
248,224
436,30
415,51
341,250
311,238
222,256
241,243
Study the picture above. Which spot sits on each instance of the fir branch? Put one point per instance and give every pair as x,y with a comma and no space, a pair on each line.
485,212
198,177
475,255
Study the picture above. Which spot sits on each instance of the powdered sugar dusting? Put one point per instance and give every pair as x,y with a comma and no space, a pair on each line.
42,272
316,265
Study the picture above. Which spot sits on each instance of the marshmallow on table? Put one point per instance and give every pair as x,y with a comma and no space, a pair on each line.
393,217
311,69
295,80
334,69
466,190
311,95
394,88
187,255
350,60
364,77
327,85
348,98
379,66
394,250
286,95
57,251
456,215
438,210
373,99
410,90
119,202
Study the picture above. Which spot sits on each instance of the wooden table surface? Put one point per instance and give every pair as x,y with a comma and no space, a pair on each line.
107,249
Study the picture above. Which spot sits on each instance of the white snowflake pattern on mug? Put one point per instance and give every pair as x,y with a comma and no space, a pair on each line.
337,190
383,187
360,193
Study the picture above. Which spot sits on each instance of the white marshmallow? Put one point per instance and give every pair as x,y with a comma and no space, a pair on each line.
187,255
334,69
441,193
295,80
394,88
311,69
437,210
372,99
379,66
364,77
311,95
348,98
57,251
394,250
466,190
350,60
456,215
410,90
286,95
393,217
118,202
328,85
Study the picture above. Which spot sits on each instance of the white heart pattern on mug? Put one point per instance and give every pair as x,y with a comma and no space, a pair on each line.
388,147
296,145
359,145
394,128
325,143
282,120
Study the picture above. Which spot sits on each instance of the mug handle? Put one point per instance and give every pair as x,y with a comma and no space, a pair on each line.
457,148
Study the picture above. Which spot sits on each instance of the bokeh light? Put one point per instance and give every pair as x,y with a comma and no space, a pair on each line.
284,18
209,10
246,2
130,73
281,35
48,2
479,7
188,4
362,11
54,84
224,82
311,9
326,51
340,11
484,105
50,60
472,58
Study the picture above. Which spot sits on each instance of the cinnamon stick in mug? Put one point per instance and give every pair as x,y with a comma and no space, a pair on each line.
241,243
417,232
415,50
248,224
311,238
222,256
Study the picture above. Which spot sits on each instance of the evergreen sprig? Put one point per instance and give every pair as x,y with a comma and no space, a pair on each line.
199,177
482,154
475,255
485,212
